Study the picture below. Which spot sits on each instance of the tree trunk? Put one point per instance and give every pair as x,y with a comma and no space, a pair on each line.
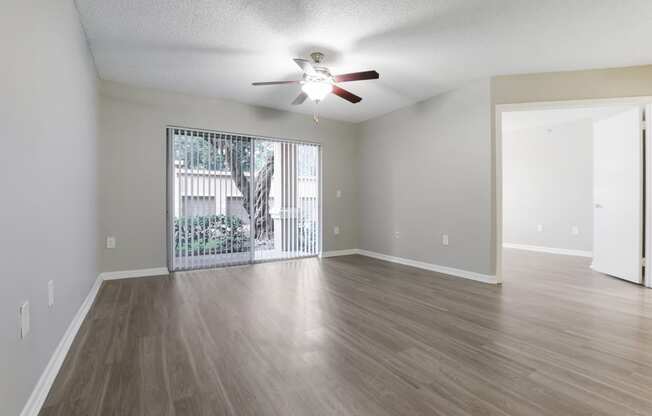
264,224
235,156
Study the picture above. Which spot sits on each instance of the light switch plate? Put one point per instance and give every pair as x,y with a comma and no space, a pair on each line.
336,230
24,319
575,230
539,227
444,239
110,242
338,194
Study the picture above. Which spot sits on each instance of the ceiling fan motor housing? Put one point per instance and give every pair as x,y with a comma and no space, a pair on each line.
317,57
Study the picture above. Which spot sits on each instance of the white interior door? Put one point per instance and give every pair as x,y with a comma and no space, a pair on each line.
648,191
618,195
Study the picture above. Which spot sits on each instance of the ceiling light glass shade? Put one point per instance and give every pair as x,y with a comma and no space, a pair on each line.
317,90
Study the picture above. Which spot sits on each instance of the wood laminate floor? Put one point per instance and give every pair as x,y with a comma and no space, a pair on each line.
358,336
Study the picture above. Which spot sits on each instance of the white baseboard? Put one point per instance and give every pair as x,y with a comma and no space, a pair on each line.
42,388
40,392
128,274
485,278
551,250
339,253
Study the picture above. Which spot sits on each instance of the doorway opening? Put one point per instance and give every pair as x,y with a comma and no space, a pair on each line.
237,199
571,183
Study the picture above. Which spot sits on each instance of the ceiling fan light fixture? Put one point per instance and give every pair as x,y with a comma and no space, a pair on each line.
317,81
317,90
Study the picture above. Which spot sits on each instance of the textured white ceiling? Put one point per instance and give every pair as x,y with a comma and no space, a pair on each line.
419,47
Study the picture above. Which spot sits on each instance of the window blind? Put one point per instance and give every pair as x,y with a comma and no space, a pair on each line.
236,199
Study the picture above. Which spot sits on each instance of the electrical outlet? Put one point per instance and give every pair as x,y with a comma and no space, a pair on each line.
336,230
24,319
444,239
575,230
338,194
51,293
110,242
397,234
539,227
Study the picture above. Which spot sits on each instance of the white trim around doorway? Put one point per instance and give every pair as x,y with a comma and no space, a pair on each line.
543,105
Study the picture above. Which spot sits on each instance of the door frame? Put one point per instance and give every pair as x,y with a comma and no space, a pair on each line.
555,105
169,187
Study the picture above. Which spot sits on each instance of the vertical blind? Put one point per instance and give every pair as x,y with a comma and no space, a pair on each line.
236,199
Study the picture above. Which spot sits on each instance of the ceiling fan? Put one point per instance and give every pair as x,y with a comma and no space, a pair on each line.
317,81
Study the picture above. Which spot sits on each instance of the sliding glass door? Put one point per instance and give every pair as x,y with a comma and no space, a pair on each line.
235,199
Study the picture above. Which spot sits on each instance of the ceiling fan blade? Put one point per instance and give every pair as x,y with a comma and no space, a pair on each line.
306,66
300,98
347,95
356,76
274,83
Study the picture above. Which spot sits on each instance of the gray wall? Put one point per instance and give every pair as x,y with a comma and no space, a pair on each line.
48,177
548,180
425,170
132,165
